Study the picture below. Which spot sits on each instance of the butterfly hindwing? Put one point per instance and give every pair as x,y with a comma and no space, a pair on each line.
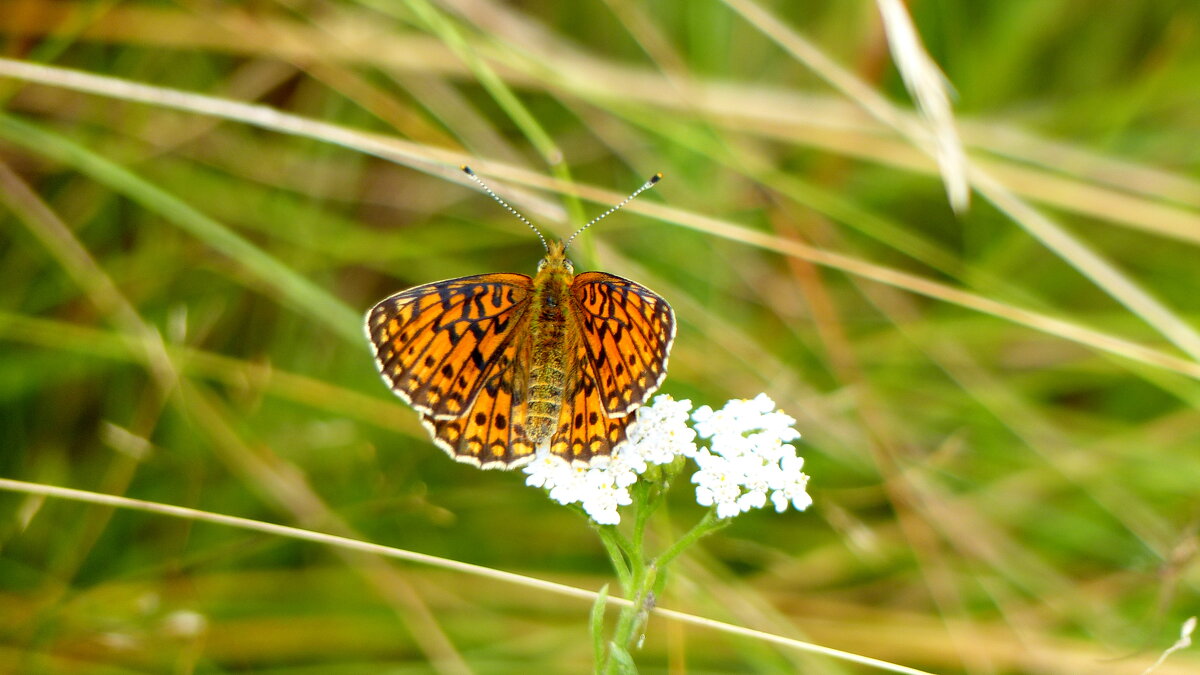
492,432
627,333
585,429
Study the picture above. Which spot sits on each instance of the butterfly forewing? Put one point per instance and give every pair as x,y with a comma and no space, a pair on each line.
436,344
627,331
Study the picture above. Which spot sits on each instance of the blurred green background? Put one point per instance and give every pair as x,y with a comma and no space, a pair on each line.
1006,481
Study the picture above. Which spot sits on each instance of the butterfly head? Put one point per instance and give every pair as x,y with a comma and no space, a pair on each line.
556,261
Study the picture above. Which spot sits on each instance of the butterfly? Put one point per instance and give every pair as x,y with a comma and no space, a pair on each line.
503,366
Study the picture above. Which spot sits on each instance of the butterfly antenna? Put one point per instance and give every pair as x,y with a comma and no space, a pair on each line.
645,186
467,170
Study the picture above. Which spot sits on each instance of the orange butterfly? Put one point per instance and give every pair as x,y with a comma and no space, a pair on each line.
501,365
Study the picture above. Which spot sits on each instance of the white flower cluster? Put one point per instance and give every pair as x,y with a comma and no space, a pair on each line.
658,435
750,460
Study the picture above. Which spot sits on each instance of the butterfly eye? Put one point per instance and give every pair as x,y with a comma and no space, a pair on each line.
569,266
541,264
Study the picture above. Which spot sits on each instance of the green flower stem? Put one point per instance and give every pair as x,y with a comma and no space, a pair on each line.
708,524
633,583
627,623
646,579
647,576
616,546
642,578
646,499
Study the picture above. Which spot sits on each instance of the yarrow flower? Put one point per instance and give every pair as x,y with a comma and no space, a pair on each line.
658,435
748,460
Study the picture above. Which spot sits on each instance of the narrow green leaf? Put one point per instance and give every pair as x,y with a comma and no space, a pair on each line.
622,659
596,623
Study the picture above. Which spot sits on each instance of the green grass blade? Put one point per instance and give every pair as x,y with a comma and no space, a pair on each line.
292,288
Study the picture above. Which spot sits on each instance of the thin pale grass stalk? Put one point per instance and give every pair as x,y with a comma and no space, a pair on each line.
327,51
97,286
1134,205
503,95
313,57
281,485
1063,329
1038,433
928,288
742,348
416,156
298,290
927,85
350,544
499,90
88,275
1090,264
413,155
235,373
1081,164
1101,202
1184,641
263,116
245,82
814,122
352,38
